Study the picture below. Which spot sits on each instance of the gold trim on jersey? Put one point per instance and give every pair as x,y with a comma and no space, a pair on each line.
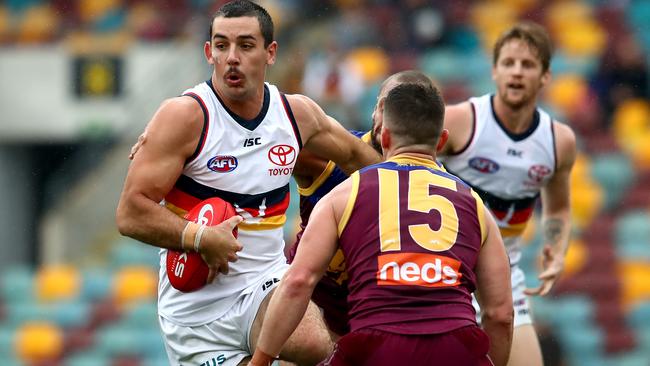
480,213
266,223
308,191
412,160
513,230
354,190
175,209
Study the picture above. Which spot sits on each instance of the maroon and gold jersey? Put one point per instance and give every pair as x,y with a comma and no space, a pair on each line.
411,234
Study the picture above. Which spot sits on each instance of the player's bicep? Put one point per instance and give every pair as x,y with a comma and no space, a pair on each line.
555,194
459,120
172,136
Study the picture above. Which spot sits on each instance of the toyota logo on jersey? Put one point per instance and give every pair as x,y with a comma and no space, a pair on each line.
282,155
538,172
222,163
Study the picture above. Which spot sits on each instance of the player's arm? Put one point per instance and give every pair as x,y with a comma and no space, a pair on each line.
290,300
459,120
494,292
308,168
556,211
172,136
325,137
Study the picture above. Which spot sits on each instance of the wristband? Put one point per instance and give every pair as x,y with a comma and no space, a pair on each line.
188,234
197,238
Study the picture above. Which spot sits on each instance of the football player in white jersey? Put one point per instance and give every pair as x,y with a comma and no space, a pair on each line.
183,161
510,151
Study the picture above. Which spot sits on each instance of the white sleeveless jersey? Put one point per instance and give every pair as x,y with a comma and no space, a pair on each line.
507,170
247,163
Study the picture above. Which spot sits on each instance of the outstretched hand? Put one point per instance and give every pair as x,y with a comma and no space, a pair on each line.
552,267
141,140
219,246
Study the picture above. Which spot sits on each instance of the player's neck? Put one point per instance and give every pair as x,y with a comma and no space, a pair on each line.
422,154
247,107
516,120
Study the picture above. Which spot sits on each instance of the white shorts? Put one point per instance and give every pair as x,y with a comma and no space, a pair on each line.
225,341
520,300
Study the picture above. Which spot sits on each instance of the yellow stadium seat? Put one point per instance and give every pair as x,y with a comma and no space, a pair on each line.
490,19
576,257
587,197
39,24
5,23
372,62
634,278
563,13
632,123
90,11
59,282
38,341
134,284
582,39
641,153
567,91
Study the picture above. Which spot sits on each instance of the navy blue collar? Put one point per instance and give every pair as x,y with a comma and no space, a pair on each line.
515,136
249,124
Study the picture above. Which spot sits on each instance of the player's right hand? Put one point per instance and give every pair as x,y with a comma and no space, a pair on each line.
219,246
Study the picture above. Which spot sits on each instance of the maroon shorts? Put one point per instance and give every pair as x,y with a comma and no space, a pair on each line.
467,346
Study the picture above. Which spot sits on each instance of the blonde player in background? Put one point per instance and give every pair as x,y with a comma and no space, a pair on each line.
510,151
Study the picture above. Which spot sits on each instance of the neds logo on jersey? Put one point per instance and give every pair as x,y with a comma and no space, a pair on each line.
483,165
222,163
417,269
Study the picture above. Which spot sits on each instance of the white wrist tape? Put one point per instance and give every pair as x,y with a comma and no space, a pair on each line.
197,238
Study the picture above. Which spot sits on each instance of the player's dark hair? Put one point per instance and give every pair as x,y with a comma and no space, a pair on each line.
414,114
534,35
244,8
408,76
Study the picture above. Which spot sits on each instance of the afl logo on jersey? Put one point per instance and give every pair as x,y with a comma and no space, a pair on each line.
483,165
282,155
222,163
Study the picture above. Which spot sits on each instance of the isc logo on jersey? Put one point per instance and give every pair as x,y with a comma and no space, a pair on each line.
222,163
418,269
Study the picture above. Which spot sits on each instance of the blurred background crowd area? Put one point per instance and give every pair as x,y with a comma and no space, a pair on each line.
72,292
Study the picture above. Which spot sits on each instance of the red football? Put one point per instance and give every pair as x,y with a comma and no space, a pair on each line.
186,270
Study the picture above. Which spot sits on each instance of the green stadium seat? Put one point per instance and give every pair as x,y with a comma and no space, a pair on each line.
632,235
129,252
17,285
88,358
95,284
615,173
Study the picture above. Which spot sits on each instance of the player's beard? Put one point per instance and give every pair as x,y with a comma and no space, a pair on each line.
373,141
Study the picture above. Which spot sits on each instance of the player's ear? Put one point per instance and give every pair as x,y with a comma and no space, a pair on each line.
385,138
207,50
271,51
546,78
442,140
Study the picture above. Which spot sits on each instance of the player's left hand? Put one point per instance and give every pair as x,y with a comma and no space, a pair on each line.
552,267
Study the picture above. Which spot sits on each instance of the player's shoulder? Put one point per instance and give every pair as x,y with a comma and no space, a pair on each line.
182,114
565,142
